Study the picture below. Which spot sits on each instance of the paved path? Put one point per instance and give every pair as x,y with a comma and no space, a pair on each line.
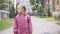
40,26
7,31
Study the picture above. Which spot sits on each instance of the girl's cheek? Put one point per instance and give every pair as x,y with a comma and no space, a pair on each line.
22,9
19,11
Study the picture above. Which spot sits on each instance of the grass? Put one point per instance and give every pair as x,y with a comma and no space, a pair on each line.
58,22
38,16
41,16
6,23
50,18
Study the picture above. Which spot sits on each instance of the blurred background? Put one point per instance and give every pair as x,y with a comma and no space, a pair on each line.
45,15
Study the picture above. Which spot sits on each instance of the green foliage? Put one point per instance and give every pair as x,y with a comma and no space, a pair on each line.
32,2
3,4
49,13
38,8
12,12
34,8
56,15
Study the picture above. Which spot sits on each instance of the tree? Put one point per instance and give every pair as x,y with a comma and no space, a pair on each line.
11,15
32,2
3,4
38,4
49,13
12,10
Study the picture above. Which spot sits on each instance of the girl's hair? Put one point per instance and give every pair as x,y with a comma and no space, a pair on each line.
24,6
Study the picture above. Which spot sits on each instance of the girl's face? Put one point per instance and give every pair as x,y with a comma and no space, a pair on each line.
21,9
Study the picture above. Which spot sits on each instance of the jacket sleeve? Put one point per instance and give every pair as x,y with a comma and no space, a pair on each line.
29,25
15,29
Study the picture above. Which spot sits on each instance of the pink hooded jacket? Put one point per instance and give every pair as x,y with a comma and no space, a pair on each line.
22,24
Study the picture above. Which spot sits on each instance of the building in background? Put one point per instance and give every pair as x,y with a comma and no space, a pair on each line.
53,4
58,5
46,6
4,14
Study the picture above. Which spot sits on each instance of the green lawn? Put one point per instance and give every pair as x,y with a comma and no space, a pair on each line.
58,22
41,16
6,23
38,16
50,18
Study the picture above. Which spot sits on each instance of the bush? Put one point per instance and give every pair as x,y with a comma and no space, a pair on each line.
56,15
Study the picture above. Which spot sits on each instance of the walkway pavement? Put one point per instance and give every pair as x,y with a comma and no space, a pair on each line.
7,31
42,26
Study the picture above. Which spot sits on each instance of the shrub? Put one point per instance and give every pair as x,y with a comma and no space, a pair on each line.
56,15
58,22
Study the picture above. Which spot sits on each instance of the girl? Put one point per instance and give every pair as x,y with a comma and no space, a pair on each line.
22,22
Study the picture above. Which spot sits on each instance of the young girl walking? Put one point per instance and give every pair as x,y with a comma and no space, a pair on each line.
22,22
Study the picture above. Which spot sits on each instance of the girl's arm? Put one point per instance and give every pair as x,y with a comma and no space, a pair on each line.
30,25
15,29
